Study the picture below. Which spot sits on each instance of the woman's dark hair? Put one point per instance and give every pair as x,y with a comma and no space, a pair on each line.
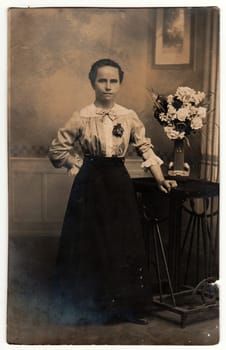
101,63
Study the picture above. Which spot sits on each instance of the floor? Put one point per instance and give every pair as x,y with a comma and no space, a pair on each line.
30,264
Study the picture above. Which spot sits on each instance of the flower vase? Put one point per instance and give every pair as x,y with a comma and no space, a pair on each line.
178,167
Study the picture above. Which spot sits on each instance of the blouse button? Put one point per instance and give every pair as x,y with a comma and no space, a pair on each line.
141,286
141,277
140,269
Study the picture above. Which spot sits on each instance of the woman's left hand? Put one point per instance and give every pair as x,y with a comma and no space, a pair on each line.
166,185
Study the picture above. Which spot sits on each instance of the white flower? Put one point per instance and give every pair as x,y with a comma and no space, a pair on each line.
171,113
196,123
172,116
172,133
202,112
171,109
170,99
193,110
198,97
182,114
163,117
184,93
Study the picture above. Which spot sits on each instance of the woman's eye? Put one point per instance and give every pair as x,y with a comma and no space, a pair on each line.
113,81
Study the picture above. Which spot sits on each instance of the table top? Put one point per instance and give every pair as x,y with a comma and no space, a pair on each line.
193,188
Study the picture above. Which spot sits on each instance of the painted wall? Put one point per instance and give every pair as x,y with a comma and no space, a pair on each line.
51,51
51,54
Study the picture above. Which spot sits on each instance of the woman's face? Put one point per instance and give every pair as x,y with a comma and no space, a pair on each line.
107,84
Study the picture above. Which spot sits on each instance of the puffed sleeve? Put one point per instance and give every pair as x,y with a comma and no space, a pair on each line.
61,147
142,144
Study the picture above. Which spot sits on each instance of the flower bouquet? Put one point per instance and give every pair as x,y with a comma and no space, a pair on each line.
180,114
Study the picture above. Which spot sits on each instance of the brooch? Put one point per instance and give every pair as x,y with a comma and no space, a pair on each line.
118,130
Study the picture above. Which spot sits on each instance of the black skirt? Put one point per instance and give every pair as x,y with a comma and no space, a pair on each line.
101,264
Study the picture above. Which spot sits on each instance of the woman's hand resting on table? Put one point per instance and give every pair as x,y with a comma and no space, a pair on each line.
163,184
166,185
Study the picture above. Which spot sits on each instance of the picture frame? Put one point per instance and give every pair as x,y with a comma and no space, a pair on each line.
172,41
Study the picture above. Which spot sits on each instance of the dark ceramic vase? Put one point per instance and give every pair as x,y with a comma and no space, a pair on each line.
178,167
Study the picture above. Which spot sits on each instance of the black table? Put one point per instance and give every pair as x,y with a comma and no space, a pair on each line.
187,190
199,234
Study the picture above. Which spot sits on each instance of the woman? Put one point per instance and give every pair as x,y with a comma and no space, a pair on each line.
101,267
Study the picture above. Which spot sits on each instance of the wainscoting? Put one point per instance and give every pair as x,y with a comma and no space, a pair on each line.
38,195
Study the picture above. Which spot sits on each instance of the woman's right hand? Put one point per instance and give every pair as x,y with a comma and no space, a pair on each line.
73,171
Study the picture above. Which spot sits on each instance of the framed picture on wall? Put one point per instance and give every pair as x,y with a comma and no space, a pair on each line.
172,38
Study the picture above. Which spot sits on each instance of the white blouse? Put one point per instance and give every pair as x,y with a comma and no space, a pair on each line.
101,133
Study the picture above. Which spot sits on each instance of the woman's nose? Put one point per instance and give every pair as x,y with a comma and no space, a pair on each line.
108,85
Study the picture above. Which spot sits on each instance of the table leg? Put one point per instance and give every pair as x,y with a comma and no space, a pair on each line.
174,243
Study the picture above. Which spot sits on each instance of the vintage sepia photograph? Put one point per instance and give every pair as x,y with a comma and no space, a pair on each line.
113,172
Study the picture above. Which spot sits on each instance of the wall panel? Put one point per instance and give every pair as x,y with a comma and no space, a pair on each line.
38,195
